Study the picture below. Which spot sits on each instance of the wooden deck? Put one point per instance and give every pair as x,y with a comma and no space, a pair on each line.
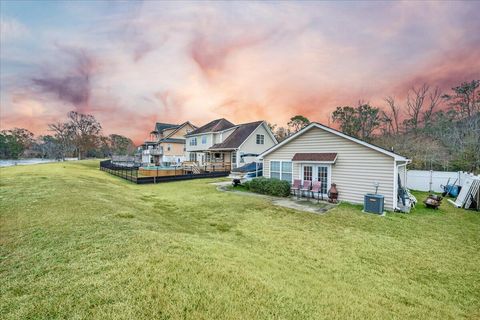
160,172
145,176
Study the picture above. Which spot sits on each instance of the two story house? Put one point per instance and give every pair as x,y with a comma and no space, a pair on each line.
223,144
166,145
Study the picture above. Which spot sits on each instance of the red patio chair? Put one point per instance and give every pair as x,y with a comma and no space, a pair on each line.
317,188
297,183
307,185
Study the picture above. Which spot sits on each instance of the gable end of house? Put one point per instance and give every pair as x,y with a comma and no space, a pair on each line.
397,157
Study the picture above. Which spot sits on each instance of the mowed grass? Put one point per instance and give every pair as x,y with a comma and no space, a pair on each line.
78,243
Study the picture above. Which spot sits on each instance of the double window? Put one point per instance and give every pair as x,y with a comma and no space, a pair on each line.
281,170
193,141
260,139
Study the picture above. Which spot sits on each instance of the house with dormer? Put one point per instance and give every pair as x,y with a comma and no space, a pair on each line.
226,145
166,145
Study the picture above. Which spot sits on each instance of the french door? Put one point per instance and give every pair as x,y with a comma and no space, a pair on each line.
313,172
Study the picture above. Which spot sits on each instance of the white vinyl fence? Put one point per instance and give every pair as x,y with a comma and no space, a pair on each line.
428,180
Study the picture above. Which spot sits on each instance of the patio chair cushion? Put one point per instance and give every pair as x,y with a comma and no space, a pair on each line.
306,185
296,184
317,186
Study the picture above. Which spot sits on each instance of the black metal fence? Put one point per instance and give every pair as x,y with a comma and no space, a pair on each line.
132,174
129,173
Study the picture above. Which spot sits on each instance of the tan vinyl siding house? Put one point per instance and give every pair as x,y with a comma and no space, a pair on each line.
173,150
166,145
173,143
251,145
355,170
222,142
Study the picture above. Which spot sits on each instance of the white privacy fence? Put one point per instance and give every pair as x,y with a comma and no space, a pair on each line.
427,180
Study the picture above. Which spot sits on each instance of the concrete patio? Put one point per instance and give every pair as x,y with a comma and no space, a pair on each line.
292,202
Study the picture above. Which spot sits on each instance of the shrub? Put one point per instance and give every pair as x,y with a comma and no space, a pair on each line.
272,187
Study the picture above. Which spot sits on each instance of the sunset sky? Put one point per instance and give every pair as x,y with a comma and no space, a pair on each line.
133,63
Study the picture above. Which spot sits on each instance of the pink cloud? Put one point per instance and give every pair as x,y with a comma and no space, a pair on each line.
244,62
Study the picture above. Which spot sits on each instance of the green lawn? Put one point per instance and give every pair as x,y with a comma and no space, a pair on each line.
79,243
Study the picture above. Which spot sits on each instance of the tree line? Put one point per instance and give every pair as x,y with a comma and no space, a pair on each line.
79,136
438,131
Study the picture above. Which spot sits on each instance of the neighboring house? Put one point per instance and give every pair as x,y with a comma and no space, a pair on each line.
223,143
318,152
167,144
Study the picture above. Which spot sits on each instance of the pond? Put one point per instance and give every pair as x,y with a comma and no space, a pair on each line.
9,163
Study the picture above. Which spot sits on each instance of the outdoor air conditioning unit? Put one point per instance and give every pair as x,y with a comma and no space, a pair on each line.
373,203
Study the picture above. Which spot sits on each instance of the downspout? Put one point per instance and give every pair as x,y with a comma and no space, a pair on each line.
395,184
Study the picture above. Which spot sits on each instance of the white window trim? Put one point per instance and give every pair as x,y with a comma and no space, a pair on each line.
281,171
314,162
192,140
315,166
204,138
262,140
235,164
265,126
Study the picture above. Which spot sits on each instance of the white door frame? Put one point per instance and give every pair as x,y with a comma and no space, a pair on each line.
234,164
315,173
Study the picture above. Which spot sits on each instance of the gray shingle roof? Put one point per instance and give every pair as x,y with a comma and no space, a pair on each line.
159,126
172,140
214,126
237,137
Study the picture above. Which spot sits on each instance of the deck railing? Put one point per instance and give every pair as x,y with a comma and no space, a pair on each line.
192,166
139,175
129,173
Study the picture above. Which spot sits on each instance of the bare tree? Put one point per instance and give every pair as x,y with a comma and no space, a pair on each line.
395,113
442,130
386,123
415,100
434,97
